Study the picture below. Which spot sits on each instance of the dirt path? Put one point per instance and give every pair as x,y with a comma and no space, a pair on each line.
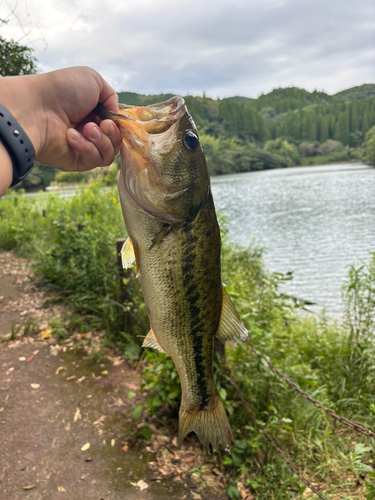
55,398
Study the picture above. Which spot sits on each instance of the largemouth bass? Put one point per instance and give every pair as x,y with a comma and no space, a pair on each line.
174,239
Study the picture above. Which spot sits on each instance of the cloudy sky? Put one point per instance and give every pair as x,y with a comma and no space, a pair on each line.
222,47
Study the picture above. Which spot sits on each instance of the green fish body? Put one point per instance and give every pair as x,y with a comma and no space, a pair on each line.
174,238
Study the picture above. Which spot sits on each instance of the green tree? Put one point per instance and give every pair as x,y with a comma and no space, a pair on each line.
323,130
365,121
15,59
342,131
354,121
369,147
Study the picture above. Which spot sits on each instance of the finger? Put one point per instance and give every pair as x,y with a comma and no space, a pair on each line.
101,141
108,96
89,156
113,133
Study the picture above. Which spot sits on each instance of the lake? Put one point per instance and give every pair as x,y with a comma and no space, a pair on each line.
314,221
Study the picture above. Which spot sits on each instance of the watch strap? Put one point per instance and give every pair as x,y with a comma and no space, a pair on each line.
18,145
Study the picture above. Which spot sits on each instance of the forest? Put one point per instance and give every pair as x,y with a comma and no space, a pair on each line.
286,127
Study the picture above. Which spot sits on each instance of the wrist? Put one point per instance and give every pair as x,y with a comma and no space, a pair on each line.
22,97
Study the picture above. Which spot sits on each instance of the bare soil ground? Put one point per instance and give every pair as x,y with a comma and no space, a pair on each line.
56,397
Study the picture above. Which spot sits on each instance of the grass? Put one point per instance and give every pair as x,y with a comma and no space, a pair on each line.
73,245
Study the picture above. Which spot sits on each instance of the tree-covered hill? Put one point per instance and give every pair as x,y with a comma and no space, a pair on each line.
290,98
365,91
291,113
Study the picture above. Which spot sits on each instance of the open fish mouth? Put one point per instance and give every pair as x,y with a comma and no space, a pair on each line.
147,131
141,126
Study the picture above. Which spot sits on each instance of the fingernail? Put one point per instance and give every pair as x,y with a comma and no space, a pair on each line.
75,136
95,134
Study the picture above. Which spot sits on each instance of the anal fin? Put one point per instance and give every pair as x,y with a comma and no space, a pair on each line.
151,341
230,325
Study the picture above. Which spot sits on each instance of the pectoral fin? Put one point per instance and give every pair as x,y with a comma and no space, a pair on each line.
151,341
230,326
129,255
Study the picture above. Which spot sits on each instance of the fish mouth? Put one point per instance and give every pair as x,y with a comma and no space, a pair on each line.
146,130
142,126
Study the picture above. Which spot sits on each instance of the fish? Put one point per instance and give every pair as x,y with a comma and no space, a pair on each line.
174,240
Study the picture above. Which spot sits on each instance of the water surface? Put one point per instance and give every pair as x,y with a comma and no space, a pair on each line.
314,221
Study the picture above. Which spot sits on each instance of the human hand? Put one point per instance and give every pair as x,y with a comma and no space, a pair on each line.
55,111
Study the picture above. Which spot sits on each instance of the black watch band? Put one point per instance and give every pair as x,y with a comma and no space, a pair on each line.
18,145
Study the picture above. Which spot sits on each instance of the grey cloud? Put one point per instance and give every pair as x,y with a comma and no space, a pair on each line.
222,47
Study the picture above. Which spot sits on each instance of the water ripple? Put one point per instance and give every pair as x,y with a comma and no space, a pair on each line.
314,221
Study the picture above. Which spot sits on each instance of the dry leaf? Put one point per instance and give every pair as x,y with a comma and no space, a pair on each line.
30,487
35,386
77,415
196,496
100,420
80,380
30,358
46,333
85,447
59,369
242,490
69,379
61,489
142,485
4,473
117,361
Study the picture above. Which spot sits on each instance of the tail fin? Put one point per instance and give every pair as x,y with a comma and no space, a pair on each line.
211,426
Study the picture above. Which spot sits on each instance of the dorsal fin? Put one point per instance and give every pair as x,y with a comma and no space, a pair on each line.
151,341
230,325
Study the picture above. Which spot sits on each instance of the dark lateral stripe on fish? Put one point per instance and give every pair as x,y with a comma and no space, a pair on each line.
193,297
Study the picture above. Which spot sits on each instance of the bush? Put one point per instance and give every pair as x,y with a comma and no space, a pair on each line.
71,177
307,149
285,153
329,147
369,147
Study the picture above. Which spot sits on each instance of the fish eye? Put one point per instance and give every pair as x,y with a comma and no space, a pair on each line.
190,140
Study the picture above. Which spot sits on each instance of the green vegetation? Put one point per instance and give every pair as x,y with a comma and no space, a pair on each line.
15,59
73,244
369,147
